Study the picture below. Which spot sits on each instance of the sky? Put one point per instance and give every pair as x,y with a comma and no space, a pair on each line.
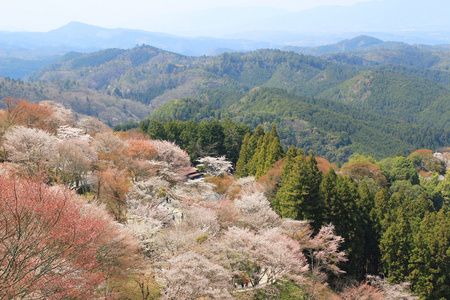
46,15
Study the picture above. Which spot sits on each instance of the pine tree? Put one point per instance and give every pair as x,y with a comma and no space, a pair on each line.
274,151
299,195
258,153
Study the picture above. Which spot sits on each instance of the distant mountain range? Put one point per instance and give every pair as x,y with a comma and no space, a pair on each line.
370,97
21,53
81,37
318,31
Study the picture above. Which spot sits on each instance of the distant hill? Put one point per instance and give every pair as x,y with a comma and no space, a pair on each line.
362,42
414,92
409,98
335,104
332,130
80,37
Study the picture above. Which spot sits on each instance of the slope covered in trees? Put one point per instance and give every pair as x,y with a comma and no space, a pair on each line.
142,230
392,105
409,98
333,130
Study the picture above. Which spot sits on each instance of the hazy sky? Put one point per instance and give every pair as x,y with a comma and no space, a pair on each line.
45,15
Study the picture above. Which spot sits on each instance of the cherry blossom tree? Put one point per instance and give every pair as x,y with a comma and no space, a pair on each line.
48,242
108,145
392,291
66,133
73,160
113,184
324,256
176,240
92,125
191,276
266,257
172,154
30,147
138,156
256,212
195,191
202,218
146,214
61,115
362,291
215,166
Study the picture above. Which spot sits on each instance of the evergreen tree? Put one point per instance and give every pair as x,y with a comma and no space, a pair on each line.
395,247
241,165
287,199
429,267
299,195
366,205
328,193
380,209
314,202
274,151
346,217
258,153
155,130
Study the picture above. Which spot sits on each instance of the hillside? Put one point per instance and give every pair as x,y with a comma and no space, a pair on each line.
131,218
153,76
331,129
84,101
385,108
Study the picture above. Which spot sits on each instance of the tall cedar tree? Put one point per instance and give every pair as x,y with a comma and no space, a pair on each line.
429,266
259,152
366,204
287,198
395,246
299,195
345,215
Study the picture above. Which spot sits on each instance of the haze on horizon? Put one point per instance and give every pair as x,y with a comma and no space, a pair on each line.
149,15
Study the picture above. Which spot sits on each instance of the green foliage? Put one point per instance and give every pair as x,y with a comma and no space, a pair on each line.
259,152
395,246
95,59
430,258
284,290
200,139
299,195
126,126
394,94
229,85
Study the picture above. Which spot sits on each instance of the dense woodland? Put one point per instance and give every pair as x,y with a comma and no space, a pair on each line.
317,177
89,213
376,99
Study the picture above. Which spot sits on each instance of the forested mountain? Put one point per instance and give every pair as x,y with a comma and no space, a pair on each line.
391,93
332,129
148,225
336,104
85,101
